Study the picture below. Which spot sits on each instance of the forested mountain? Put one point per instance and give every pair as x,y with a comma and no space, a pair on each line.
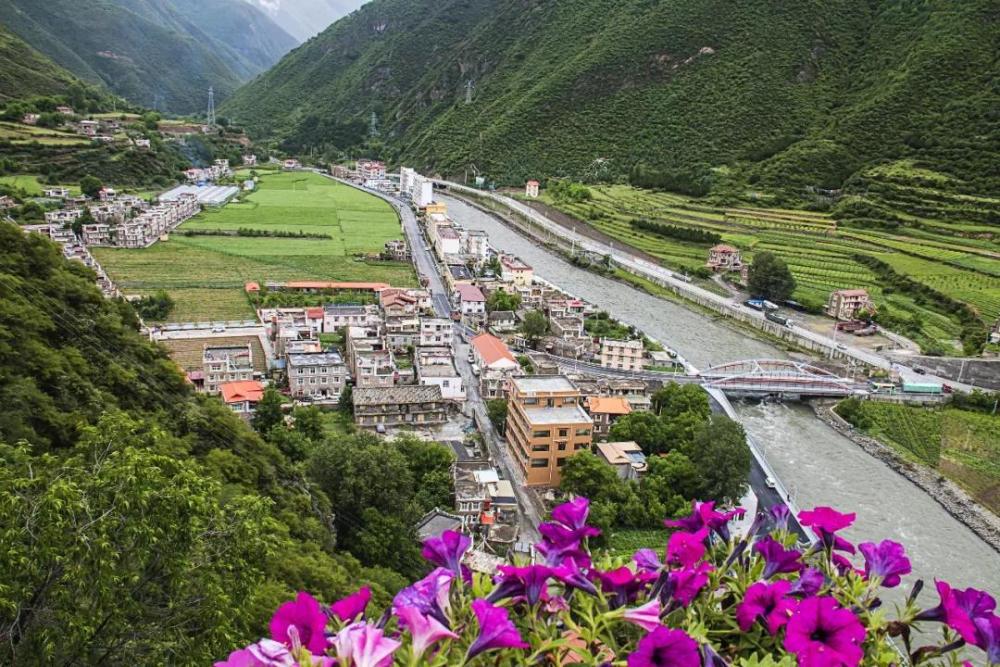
141,523
801,94
304,18
27,72
160,54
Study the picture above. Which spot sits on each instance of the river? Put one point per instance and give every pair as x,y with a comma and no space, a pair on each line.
820,466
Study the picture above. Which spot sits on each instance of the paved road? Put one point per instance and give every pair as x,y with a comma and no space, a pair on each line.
666,277
426,265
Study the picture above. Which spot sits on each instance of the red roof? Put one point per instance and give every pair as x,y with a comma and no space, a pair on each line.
532,182
252,287
319,284
491,349
611,405
237,392
724,248
852,292
314,313
470,293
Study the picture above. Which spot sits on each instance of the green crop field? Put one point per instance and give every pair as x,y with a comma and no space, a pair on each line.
205,274
964,446
935,250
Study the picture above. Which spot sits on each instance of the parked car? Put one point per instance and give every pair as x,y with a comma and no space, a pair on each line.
919,371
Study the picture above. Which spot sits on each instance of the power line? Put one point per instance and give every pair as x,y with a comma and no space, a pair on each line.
210,116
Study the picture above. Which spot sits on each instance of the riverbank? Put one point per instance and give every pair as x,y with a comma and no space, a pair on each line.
946,493
621,275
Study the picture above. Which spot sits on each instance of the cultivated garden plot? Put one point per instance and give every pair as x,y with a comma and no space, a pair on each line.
205,274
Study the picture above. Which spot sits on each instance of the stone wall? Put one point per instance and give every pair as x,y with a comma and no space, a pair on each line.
949,495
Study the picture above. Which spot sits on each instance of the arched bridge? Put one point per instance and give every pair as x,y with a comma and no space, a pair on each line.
749,377
757,377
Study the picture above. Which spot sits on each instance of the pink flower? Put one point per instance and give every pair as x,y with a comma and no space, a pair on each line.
425,630
988,637
686,549
826,521
768,602
622,585
529,583
665,647
646,617
302,622
886,560
573,514
777,559
952,612
809,583
446,550
265,653
429,595
363,645
348,609
822,634
703,515
684,585
647,560
495,630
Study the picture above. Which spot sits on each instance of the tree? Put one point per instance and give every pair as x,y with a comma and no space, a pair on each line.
534,326
496,408
156,306
309,422
770,278
268,413
722,457
86,218
676,399
500,300
645,429
132,556
346,402
585,474
91,186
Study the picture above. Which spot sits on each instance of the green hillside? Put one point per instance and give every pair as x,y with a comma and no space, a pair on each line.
788,97
160,54
27,72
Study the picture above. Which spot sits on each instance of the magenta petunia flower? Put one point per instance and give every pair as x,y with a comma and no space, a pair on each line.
571,575
703,515
809,583
665,647
425,630
529,583
988,637
647,560
302,622
238,658
779,515
950,612
560,543
777,559
573,514
446,550
364,645
686,549
823,634
350,608
826,521
976,603
622,585
265,653
646,616
684,585
767,602
495,630
886,560
429,595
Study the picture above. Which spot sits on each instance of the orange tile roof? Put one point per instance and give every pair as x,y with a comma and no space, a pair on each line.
470,292
252,287
492,349
723,247
247,390
314,313
319,284
611,405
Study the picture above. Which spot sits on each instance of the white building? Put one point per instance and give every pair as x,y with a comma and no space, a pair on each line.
436,331
440,372
622,354
318,375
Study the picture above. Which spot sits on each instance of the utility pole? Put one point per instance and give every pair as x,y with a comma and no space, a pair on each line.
210,116
373,125
469,85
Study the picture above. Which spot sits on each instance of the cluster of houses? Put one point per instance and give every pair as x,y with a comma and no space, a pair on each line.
74,249
124,221
369,173
219,169
101,130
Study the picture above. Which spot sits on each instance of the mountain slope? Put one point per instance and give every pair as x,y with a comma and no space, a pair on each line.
800,95
26,72
161,54
305,18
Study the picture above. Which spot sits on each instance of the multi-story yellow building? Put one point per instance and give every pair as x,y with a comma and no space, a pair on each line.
545,426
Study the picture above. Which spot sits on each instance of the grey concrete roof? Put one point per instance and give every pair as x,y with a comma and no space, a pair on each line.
568,414
543,383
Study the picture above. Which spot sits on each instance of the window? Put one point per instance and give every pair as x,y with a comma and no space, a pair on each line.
539,463
563,432
562,446
581,445
539,448
583,431
561,461
541,434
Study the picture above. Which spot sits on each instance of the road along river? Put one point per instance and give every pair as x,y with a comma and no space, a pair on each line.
820,466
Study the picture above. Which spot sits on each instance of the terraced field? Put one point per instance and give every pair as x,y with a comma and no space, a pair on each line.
205,274
957,254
